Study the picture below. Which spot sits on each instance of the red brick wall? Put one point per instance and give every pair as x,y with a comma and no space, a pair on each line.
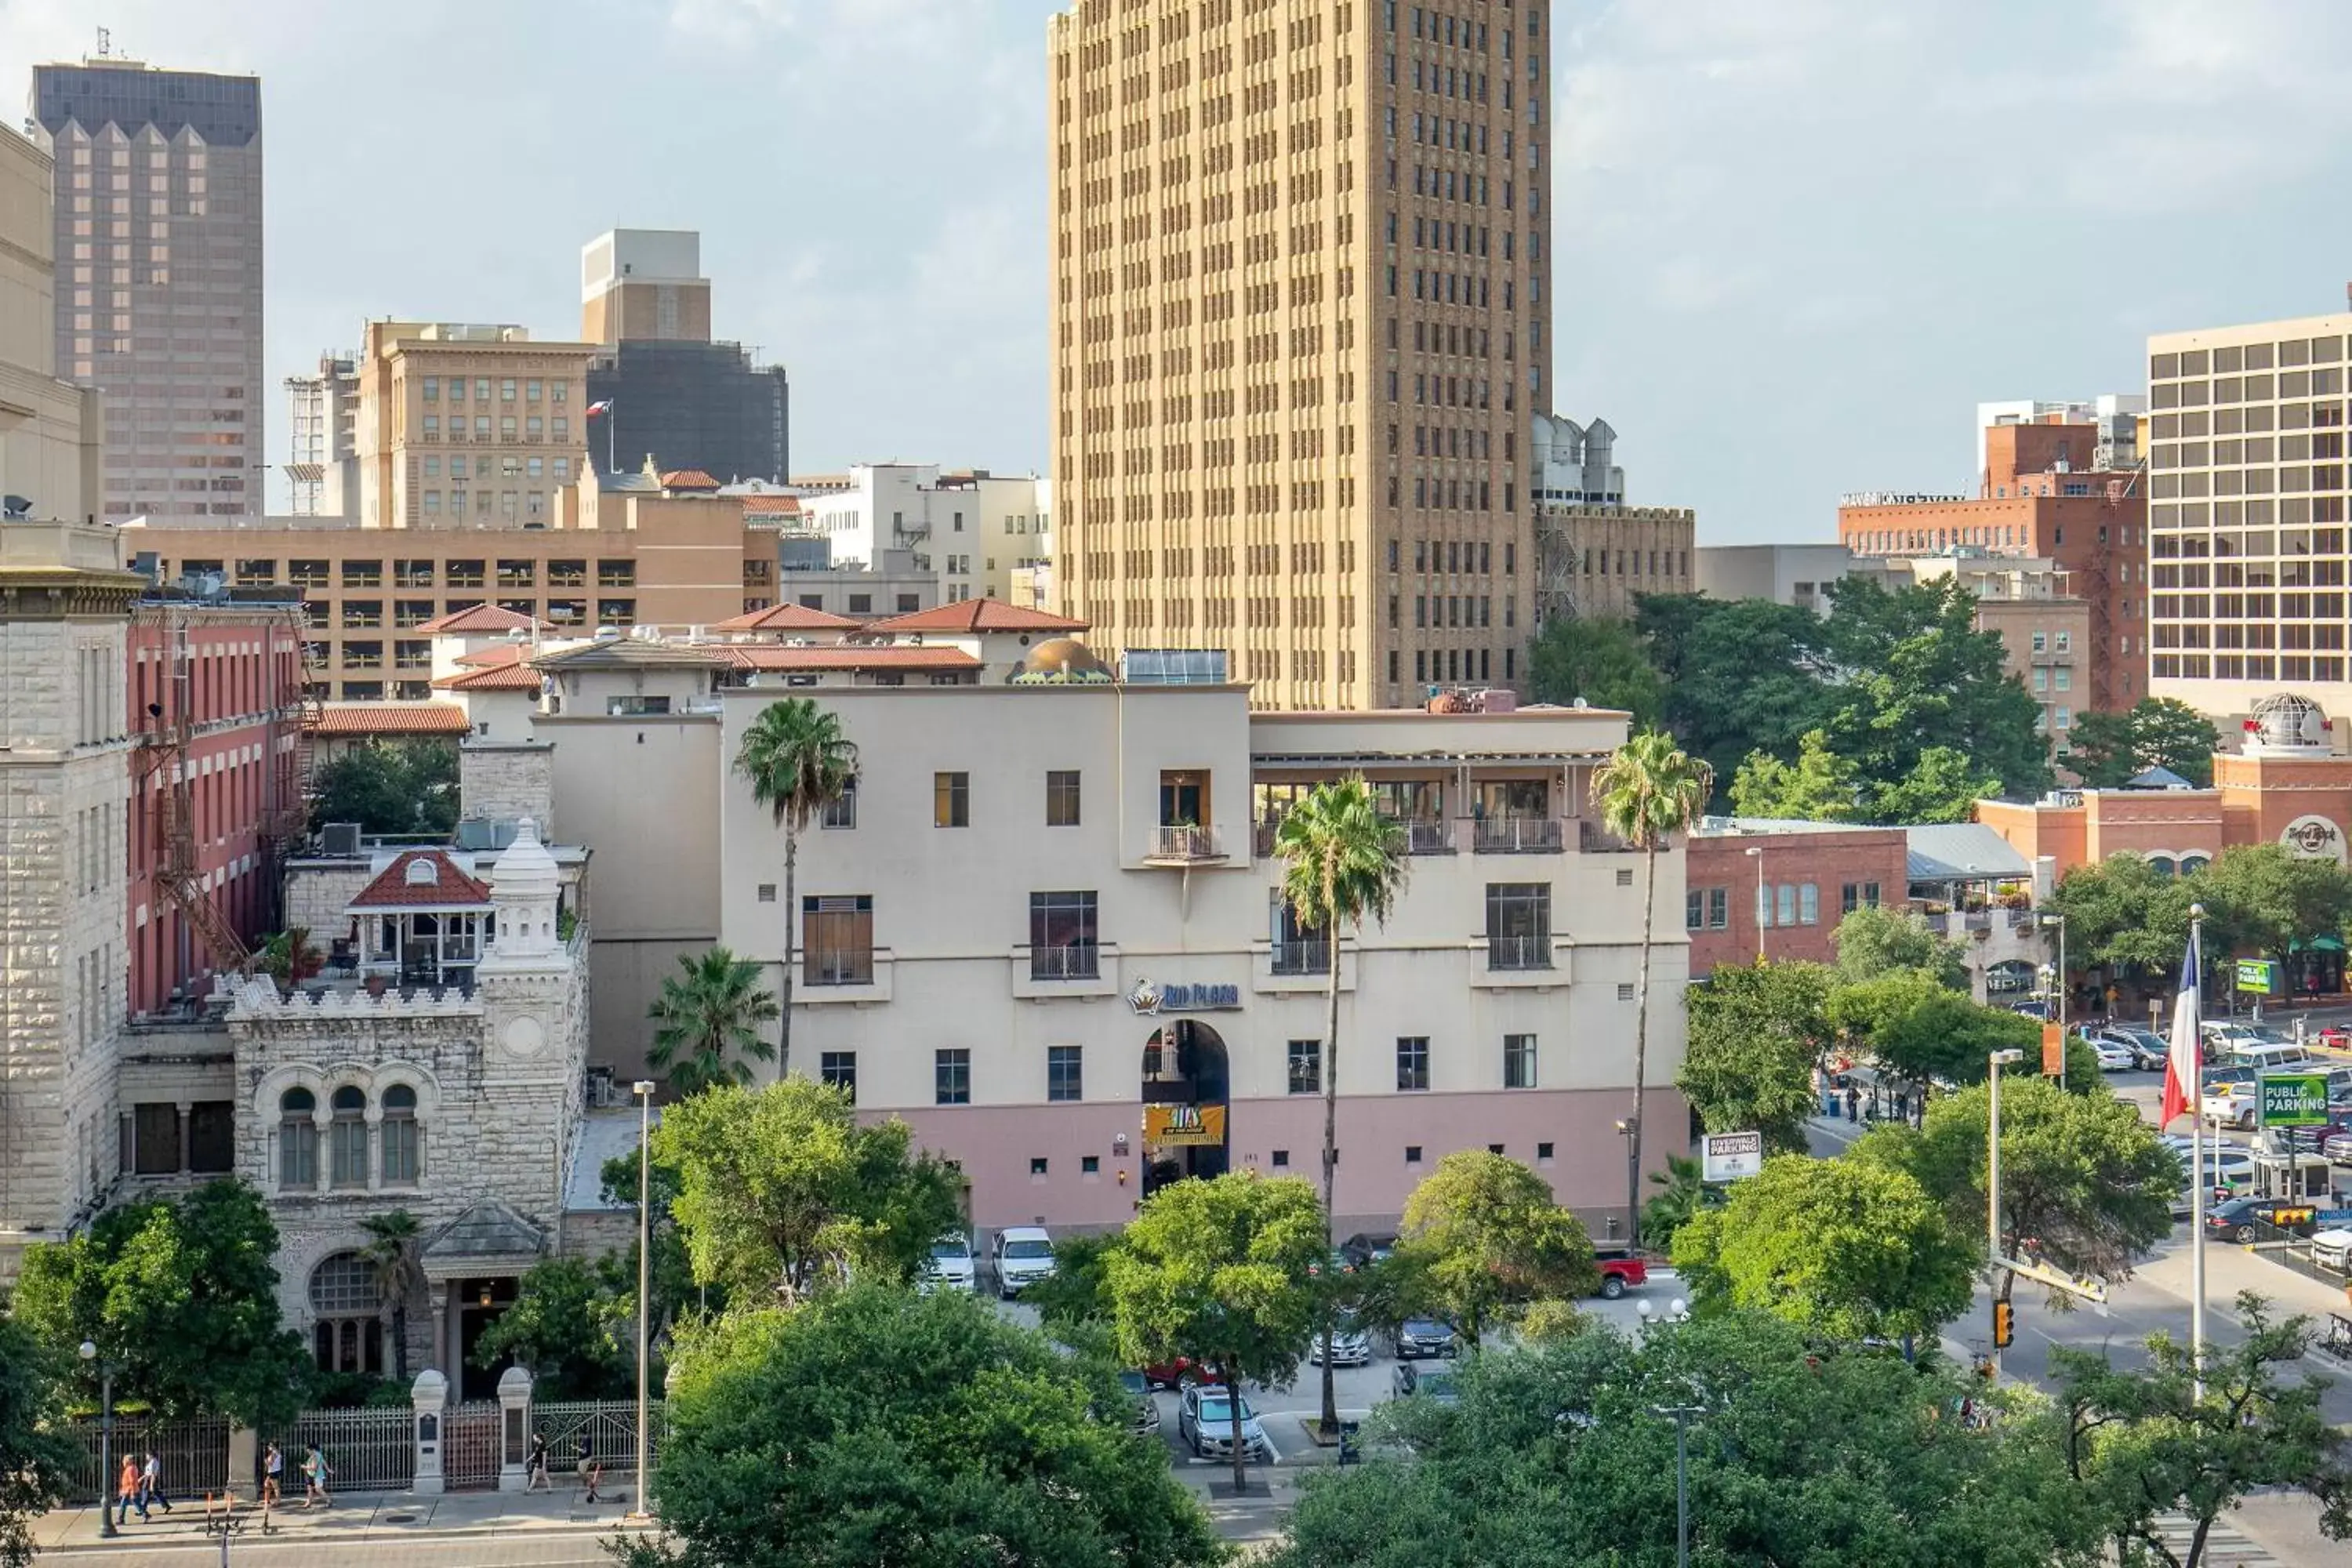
1827,860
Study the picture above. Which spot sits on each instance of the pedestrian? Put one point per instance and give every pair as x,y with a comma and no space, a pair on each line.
590,1469
314,1479
273,1466
126,1492
535,1478
1853,1105
151,1484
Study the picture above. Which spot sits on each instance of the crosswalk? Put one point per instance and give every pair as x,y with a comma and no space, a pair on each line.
2225,1546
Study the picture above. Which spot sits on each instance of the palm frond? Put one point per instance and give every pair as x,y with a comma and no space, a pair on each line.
1343,862
796,760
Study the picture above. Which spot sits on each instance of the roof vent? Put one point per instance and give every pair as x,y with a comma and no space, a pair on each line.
420,872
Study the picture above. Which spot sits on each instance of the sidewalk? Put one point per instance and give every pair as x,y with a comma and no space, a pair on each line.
354,1518
2230,1269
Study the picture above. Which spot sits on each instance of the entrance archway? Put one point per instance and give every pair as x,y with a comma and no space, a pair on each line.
1187,1082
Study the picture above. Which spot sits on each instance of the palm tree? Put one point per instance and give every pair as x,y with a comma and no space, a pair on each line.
1649,790
714,1006
1342,861
392,1251
797,762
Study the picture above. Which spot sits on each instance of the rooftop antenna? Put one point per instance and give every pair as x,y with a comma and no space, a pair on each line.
105,42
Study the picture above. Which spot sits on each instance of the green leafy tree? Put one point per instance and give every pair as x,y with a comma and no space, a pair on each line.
2108,750
1599,659
782,1190
675,1291
1682,1193
2143,1445
1742,675
289,957
798,761
35,1458
1489,1238
1342,861
1755,1033
1874,941
2124,916
563,1328
1924,1034
876,1426
1647,793
1842,1248
1218,1271
181,1298
1077,1295
394,1251
1559,1457
395,787
706,1019
2259,899
1944,785
1817,787
2085,1184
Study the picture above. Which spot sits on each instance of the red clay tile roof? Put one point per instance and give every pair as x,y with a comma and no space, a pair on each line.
496,653
787,618
480,618
977,616
497,678
361,719
450,888
771,506
688,480
845,656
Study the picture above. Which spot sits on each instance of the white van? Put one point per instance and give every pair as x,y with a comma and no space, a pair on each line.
2271,1056
1020,1255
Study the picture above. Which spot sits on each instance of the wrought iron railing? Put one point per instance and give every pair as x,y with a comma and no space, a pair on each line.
1518,835
1075,961
1303,956
1518,952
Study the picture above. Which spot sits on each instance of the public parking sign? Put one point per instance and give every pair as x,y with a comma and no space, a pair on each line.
2294,1099
2259,975
1728,1156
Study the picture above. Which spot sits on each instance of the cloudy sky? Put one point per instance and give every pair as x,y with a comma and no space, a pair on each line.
1797,240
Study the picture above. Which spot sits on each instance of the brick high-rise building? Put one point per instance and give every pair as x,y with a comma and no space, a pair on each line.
158,233
1300,304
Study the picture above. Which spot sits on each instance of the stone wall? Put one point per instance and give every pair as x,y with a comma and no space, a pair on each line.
503,782
317,894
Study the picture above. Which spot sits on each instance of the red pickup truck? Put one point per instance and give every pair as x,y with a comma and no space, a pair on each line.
1620,1272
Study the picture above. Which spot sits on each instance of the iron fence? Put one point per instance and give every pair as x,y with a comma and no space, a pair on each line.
193,1456
469,1449
609,1425
372,1449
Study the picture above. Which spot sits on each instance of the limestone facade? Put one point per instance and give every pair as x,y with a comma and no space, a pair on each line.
506,782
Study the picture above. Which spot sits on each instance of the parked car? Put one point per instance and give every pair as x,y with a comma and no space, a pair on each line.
1204,1419
1181,1371
1420,1337
2242,1219
2148,1048
1147,1409
950,1266
1346,1345
1022,1255
1436,1384
2337,1037
1364,1250
1620,1272
2114,1055
2230,1105
2336,1148
2332,1250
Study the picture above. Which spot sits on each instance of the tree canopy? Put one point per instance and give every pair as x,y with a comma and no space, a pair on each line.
1599,659
2108,750
1841,1249
879,1425
2126,915
1925,1034
389,787
1486,1236
1874,941
1755,1032
782,1190
35,1458
563,1327
708,1022
181,1298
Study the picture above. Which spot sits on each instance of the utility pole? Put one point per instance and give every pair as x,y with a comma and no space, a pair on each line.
1996,1061
1680,1415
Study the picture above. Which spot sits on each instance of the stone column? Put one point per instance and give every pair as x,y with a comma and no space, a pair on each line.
514,1430
430,1396
438,1292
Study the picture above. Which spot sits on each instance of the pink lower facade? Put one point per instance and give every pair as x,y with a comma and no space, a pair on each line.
1568,1136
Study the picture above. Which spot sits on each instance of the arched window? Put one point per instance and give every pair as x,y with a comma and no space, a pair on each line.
2161,865
347,1139
298,1140
349,1306
403,1145
2192,864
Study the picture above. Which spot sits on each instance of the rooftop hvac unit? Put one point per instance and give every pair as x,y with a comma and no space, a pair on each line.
341,838
603,1092
698,634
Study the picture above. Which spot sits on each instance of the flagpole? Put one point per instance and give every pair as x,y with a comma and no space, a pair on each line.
2197,1158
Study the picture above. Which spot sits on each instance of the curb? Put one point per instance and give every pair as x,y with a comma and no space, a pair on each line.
374,1535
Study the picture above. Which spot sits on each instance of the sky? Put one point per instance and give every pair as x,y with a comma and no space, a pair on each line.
1796,241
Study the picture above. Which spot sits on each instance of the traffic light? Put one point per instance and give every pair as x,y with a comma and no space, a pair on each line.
2004,1325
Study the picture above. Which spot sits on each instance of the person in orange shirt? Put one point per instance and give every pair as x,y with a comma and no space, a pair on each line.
126,1492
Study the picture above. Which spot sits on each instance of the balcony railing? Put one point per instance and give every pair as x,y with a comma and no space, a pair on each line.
1422,836
837,966
1077,961
1518,835
1303,956
1184,844
1518,952
1594,839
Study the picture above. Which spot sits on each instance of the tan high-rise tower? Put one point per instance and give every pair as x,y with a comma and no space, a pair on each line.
1300,310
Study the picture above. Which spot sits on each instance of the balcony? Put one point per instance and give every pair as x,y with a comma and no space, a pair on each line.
1422,836
1594,839
837,966
1302,956
1518,836
1183,844
1518,952
1075,961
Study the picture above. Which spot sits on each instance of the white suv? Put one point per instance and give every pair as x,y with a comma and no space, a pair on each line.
1020,1255
949,1266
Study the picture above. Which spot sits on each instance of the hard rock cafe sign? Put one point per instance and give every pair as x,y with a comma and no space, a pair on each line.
2314,837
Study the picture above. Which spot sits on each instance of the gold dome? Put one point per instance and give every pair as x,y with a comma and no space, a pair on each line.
1063,659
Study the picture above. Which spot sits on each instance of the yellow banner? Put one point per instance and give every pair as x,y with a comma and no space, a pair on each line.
1184,1126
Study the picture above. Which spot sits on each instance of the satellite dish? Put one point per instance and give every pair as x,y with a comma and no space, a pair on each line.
16,509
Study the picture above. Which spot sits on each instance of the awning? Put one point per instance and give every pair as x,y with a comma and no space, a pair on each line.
2317,944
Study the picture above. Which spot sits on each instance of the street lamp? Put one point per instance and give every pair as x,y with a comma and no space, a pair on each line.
1756,852
106,1501
643,1089
1629,1128
1995,1062
1680,1415
2060,922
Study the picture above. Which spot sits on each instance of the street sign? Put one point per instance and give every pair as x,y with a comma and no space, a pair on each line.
2053,1050
1728,1156
2259,975
2294,1100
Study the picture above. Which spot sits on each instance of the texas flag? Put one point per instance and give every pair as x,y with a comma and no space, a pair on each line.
2183,1067
595,409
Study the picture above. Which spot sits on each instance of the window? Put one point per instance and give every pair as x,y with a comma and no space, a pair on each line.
348,1138
1062,798
155,1140
402,1161
1281,1158
1065,1074
1090,1164
1518,1061
212,1137
1543,1152
635,705
1785,901
837,940
1412,1062
842,810
1518,925
952,1076
1809,904
1694,910
1063,941
1306,1067
1719,908
838,1069
1038,1165
1856,896
1412,1153
297,1138
349,1309
951,800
